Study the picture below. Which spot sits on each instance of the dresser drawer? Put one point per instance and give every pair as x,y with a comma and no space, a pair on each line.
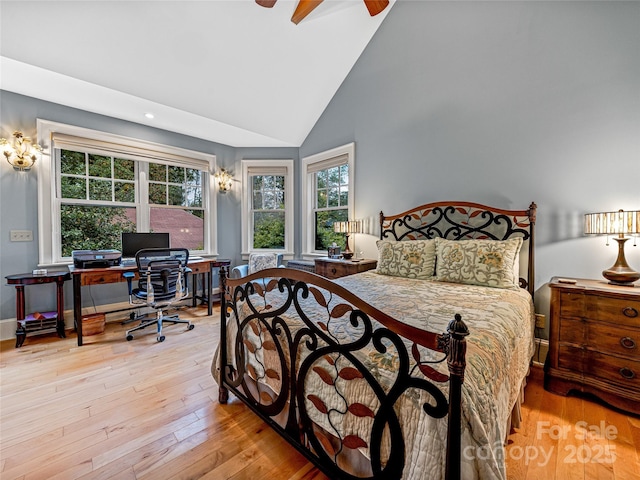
612,369
620,311
333,270
103,276
572,330
571,304
571,358
618,340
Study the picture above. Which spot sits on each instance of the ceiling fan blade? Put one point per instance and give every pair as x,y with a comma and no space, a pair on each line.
376,6
266,3
304,8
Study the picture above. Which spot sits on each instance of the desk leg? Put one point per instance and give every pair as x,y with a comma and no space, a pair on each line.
194,287
60,307
209,290
21,333
77,306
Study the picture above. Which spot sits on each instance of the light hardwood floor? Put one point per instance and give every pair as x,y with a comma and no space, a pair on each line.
147,410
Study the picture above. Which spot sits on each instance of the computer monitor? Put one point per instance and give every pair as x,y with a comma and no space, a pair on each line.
132,242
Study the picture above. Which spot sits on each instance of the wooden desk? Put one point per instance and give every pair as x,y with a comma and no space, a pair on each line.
98,276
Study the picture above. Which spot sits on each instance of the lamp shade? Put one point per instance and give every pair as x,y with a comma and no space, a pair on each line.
618,223
350,227
606,223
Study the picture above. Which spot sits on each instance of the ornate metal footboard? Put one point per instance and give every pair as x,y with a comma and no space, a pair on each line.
297,349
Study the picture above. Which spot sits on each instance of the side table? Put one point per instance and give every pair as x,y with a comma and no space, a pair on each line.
46,319
336,268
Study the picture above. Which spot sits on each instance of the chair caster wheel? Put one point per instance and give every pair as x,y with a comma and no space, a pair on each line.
129,337
161,338
191,327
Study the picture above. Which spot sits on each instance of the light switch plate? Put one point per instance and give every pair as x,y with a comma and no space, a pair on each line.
21,236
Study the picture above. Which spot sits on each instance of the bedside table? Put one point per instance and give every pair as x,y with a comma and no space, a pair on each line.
594,342
334,268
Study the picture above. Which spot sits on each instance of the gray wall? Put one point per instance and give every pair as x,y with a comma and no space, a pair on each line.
502,103
19,203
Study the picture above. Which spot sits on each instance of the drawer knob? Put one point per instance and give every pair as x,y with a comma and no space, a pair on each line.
333,270
627,373
630,312
628,342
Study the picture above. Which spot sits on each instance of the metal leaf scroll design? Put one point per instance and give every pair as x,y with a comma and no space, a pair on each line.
384,417
456,223
334,363
427,370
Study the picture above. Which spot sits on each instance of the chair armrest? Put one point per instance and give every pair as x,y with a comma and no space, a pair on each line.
240,271
129,276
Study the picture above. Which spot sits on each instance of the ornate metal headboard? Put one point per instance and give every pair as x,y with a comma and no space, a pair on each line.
466,220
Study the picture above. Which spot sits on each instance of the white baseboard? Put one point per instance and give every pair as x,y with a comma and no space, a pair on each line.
540,354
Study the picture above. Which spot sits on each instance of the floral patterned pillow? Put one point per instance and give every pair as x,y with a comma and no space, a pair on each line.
260,261
478,262
410,259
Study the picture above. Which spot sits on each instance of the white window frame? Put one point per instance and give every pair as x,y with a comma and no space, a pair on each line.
247,221
310,164
49,247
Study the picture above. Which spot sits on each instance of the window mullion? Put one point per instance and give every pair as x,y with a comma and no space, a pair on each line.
143,212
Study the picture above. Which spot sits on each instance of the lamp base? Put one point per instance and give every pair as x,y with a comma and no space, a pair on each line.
620,273
624,277
347,253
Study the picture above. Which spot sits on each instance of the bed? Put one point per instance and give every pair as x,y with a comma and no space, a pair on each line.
414,370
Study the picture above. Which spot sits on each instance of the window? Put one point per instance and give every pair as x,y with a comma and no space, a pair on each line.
267,206
101,185
327,196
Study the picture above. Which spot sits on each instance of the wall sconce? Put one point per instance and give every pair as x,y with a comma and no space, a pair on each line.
347,228
621,223
224,179
21,152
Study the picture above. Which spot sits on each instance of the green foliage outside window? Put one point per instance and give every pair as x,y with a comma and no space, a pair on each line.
325,236
104,179
268,228
92,228
268,211
332,192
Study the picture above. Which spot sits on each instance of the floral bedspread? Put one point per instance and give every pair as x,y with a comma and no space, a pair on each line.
499,349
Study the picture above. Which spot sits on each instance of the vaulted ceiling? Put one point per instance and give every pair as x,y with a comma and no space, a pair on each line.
228,71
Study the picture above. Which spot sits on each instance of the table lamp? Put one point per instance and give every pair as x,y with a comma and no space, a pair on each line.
347,228
624,224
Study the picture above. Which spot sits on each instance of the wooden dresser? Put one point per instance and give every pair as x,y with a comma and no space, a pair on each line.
333,268
594,342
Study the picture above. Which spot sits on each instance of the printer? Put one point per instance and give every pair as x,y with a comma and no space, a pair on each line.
96,258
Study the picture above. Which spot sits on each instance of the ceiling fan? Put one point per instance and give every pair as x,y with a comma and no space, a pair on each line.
305,7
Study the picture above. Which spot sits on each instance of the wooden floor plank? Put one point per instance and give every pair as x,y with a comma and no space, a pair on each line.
113,409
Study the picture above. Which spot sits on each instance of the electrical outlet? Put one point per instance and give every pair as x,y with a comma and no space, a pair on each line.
541,320
21,236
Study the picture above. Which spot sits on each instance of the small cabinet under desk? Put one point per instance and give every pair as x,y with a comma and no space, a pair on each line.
594,342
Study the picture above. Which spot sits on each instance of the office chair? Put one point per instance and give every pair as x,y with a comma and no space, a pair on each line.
163,280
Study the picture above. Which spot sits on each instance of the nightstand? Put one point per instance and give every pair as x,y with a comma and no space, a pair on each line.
594,342
336,268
